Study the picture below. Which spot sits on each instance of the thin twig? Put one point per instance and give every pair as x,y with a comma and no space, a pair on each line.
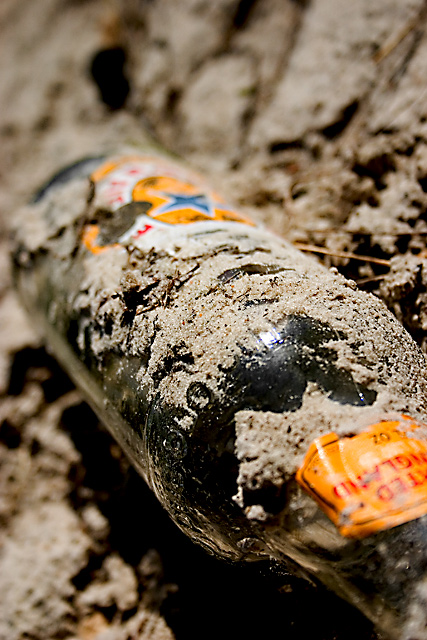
337,230
393,42
363,281
340,254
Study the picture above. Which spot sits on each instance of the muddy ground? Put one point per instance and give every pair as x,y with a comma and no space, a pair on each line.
312,116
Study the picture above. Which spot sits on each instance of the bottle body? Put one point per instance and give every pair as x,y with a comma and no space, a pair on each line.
216,353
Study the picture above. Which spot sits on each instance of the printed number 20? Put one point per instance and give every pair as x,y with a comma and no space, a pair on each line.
381,437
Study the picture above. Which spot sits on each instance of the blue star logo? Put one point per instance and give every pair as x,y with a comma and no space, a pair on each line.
199,203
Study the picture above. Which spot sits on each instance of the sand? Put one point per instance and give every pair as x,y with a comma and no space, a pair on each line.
312,119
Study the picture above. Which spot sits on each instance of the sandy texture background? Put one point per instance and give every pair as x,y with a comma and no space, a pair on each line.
311,115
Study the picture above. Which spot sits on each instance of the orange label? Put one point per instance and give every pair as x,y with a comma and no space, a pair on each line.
369,482
165,193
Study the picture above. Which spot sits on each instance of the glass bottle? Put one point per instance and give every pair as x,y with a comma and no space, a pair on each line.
263,398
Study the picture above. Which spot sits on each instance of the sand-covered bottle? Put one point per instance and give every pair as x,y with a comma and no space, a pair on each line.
273,408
